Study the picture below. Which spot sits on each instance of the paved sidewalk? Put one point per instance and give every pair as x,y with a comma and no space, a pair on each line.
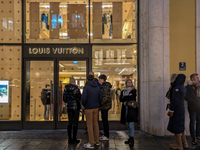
57,140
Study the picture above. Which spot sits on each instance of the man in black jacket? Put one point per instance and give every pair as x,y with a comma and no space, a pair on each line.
72,97
91,98
193,99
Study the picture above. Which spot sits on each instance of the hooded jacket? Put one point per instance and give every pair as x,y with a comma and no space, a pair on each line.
177,122
106,93
191,96
91,96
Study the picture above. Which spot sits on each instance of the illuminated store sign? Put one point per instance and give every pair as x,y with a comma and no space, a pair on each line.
58,50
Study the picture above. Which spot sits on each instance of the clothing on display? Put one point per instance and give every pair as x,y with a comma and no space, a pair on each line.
107,20
46,101
44,18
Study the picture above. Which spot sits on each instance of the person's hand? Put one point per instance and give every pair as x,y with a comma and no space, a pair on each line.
170,114
130,94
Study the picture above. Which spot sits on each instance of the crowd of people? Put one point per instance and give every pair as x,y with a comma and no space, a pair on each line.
98,96
177,94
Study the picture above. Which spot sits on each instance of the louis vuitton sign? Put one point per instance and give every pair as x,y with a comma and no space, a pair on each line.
61,50
55,51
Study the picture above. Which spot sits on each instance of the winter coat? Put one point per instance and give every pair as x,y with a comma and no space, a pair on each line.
72,96
132,115
176,123
191,97
106,93
91,96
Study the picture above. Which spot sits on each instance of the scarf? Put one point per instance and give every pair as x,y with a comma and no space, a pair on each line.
127,90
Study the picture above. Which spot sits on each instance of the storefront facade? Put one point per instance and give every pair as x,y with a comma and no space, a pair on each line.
45,43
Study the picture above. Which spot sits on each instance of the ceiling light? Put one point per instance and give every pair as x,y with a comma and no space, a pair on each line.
61,65
121,71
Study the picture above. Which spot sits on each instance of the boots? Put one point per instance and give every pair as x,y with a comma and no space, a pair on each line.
69,130
75,128
127,142
184,141
178,145
131,143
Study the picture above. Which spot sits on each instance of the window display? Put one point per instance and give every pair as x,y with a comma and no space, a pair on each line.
118,63
57,21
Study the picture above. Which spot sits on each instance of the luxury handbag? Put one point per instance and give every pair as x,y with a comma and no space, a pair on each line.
132,104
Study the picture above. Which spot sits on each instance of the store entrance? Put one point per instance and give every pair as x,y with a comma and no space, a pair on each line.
44,84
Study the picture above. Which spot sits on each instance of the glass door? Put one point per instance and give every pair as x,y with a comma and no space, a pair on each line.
69,70
39,97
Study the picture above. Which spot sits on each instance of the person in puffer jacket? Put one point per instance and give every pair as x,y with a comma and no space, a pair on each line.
72,97
193,99
105,105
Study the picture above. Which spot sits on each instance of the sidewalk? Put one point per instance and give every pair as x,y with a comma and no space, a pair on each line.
57,140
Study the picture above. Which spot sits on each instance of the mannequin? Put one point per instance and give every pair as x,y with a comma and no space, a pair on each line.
46,99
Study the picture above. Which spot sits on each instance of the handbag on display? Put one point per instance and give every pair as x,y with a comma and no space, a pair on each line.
132,104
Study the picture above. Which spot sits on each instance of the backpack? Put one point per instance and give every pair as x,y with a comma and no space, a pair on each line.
45,96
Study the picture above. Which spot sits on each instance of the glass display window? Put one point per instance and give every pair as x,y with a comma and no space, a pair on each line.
10,83
113,21
118,63
10,21
58,21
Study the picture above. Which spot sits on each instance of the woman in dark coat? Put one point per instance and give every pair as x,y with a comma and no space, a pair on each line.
128,114
177,112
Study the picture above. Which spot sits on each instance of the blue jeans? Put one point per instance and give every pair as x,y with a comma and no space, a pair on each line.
130,125
194,117
47,109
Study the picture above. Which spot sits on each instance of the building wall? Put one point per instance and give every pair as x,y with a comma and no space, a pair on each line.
182,36
182,40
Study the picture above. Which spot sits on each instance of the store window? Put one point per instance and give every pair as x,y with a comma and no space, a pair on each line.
10,21
57,21
10,82
113,21
118,63
39,91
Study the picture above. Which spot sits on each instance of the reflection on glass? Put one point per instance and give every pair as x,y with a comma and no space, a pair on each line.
118,64
39,90
67,70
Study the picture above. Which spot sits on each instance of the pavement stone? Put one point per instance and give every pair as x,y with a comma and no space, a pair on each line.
58,140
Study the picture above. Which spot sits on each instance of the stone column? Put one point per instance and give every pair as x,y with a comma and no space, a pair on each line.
198,36
154,64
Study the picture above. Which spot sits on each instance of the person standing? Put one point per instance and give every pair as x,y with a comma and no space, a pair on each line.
105,105
193,99
72,97
176,113
91,98
129,115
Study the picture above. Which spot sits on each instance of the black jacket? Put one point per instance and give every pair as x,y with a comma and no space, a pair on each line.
72,96
177,122
191,97
91,96
132,115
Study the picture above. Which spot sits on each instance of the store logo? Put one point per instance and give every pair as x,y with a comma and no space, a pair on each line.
61,50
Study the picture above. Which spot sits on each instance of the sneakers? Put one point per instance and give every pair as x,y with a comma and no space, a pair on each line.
103,138
194,141
88,145
97,143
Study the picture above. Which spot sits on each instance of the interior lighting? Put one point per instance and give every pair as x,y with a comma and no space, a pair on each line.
121,71
61,65
116,63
